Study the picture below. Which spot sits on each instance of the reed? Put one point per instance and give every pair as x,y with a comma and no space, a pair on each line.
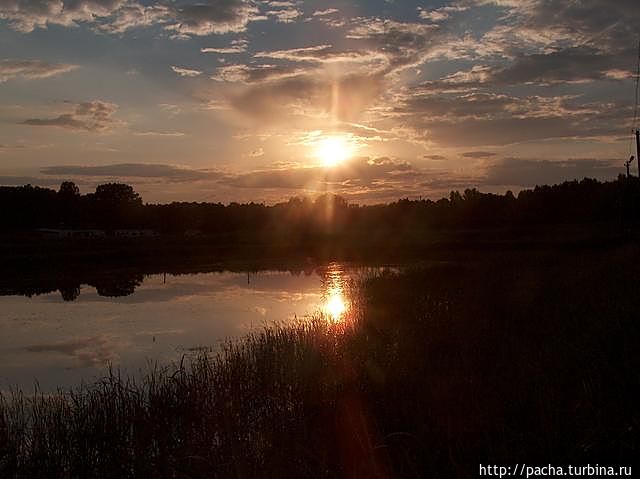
503,359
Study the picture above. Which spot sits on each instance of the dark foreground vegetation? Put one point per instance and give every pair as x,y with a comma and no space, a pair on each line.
502,358
43,230
117,206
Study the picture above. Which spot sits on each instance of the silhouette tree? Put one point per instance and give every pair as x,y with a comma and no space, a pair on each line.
115,287
117,194
301,221
68,189
116,205
70,292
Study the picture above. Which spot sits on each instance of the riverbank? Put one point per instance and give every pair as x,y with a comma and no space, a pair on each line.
501,357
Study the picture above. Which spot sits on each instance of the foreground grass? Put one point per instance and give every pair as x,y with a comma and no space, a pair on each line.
495,360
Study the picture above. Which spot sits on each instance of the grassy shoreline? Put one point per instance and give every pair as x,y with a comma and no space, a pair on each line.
507,358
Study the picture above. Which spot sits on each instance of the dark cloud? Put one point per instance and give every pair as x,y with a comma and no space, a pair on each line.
483,119
569,65
439,184
93,116
27,15
354,173
117,16
31,69
13,147
528,173
404,44
214,16
575,64
599,23
29,180
478,154
159,133
587,36
345,98
505,131
460,106
134,170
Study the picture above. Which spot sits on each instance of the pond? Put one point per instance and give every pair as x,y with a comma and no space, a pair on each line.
59,336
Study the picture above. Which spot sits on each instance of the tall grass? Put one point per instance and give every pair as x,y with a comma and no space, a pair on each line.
497,359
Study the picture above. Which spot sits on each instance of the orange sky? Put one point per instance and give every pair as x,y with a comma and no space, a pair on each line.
239,100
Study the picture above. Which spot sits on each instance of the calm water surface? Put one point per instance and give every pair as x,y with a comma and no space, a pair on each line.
60,342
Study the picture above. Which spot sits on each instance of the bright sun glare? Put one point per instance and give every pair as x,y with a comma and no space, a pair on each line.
333,150
336,305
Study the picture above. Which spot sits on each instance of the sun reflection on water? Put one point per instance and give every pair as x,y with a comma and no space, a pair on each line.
335,303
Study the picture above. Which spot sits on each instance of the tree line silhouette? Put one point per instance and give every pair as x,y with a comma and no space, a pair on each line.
117,206
113,285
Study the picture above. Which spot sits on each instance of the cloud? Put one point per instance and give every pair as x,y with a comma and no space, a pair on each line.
26,15
325,54
597,23
306,82
435,157
343,98
506,131
93,116
212,17
119,16
354,173
170,108
478,154
5,147
283,12
29,180
134,15
294,53
32,69
237,46
323,13
134,170
173,134
240,73
546,27
528,172
92,351
186,72
577,64
404,44
439,14
486,119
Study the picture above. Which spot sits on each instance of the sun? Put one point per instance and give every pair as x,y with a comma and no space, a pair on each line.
333,150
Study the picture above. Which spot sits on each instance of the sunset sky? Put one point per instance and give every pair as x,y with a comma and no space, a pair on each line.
237,100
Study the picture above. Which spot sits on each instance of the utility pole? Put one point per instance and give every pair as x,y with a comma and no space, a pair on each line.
638,149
